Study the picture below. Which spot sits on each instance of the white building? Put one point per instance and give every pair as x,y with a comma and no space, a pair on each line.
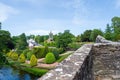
32,43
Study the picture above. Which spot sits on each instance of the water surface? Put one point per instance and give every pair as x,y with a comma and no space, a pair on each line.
10,73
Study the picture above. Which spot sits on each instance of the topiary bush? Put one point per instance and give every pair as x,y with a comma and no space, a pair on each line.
55,51
50,58
21,58
9,54
33,60
14,56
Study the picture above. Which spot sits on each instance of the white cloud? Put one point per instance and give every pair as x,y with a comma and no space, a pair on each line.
117,4
6,11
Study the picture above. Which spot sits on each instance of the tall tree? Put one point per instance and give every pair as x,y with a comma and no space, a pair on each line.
78,38
22,42
5,45
5,41
116,28
108,32
64,39
37,39
95,33
85,37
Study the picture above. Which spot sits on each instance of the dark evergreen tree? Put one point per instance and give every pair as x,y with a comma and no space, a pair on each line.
85,37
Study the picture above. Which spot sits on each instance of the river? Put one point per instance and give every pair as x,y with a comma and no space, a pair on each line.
10,73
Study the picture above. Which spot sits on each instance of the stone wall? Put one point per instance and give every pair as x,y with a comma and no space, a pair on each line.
106,63
85,71
100,61
76,64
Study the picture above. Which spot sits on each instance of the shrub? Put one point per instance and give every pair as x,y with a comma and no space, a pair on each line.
33,60
9,54
55,51
50,58
35,71
60,50
25,52
39,52
14,56
63,57
22,58
29,54
45,51
75,46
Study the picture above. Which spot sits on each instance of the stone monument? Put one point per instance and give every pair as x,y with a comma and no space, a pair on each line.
50,37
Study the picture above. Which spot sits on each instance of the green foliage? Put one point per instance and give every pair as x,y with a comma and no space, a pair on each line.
50,58
5,41
22,58
3,59
75,46
78,38
39,52
61,58
60,50
55,51
29,54
45,51
35,71
14,56
116,28
33,60
31,37
108,32
9,54
50,44
21,42
64,39
85,37
25,52
95,33
38,39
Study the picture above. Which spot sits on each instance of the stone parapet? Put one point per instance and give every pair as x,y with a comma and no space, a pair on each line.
69,68
99,61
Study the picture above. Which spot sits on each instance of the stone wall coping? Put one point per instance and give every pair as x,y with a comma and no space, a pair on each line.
107,44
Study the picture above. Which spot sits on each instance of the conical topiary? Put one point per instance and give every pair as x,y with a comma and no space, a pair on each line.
33,60
22,58
50,58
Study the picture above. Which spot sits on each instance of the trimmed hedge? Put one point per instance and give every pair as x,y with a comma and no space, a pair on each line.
50,58
55,52
39,52
29,54
33,60
22,58
25,52
35,71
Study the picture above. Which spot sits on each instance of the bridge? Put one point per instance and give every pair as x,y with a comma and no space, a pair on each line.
99,61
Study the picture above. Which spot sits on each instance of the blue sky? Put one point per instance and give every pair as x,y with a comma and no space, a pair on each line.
42,16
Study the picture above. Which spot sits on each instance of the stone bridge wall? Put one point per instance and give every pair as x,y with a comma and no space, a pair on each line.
100,61
106,63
